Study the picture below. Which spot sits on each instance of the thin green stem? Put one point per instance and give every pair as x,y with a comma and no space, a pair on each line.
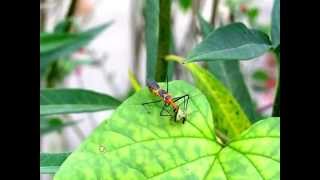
70,14
172,57
164,39
134,82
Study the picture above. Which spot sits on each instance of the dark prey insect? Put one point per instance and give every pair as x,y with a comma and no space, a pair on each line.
179,114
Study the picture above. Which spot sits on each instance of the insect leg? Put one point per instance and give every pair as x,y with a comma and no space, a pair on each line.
185,104
163,109
143,104
167,84
175,99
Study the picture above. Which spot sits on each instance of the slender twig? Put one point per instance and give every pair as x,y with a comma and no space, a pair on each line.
70,13
215,5
172,57
134,82
72,8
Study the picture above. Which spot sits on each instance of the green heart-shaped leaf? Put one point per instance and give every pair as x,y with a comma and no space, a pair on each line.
134,144
253,155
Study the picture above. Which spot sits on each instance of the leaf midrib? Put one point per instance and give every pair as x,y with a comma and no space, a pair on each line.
225,50
163,138
201,157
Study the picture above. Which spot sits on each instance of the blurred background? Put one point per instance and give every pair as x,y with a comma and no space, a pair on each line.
120,48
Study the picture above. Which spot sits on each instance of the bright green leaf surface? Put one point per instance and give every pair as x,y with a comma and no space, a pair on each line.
227,112
275,23
61,101
151,16
229,73
57,45
136,145
232,42
50,162
253,155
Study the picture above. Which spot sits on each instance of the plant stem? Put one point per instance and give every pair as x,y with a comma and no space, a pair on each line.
214,11
164,39
72,8
172,57
70,13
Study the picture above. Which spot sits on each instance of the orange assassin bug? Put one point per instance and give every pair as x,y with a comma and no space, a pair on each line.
179,114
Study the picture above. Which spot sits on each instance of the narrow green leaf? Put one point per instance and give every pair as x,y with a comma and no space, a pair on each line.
62,101
63,26
151,18
229,73
48,125
227,113
57,45
50,162
275,24
232,42
58,71
133,144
